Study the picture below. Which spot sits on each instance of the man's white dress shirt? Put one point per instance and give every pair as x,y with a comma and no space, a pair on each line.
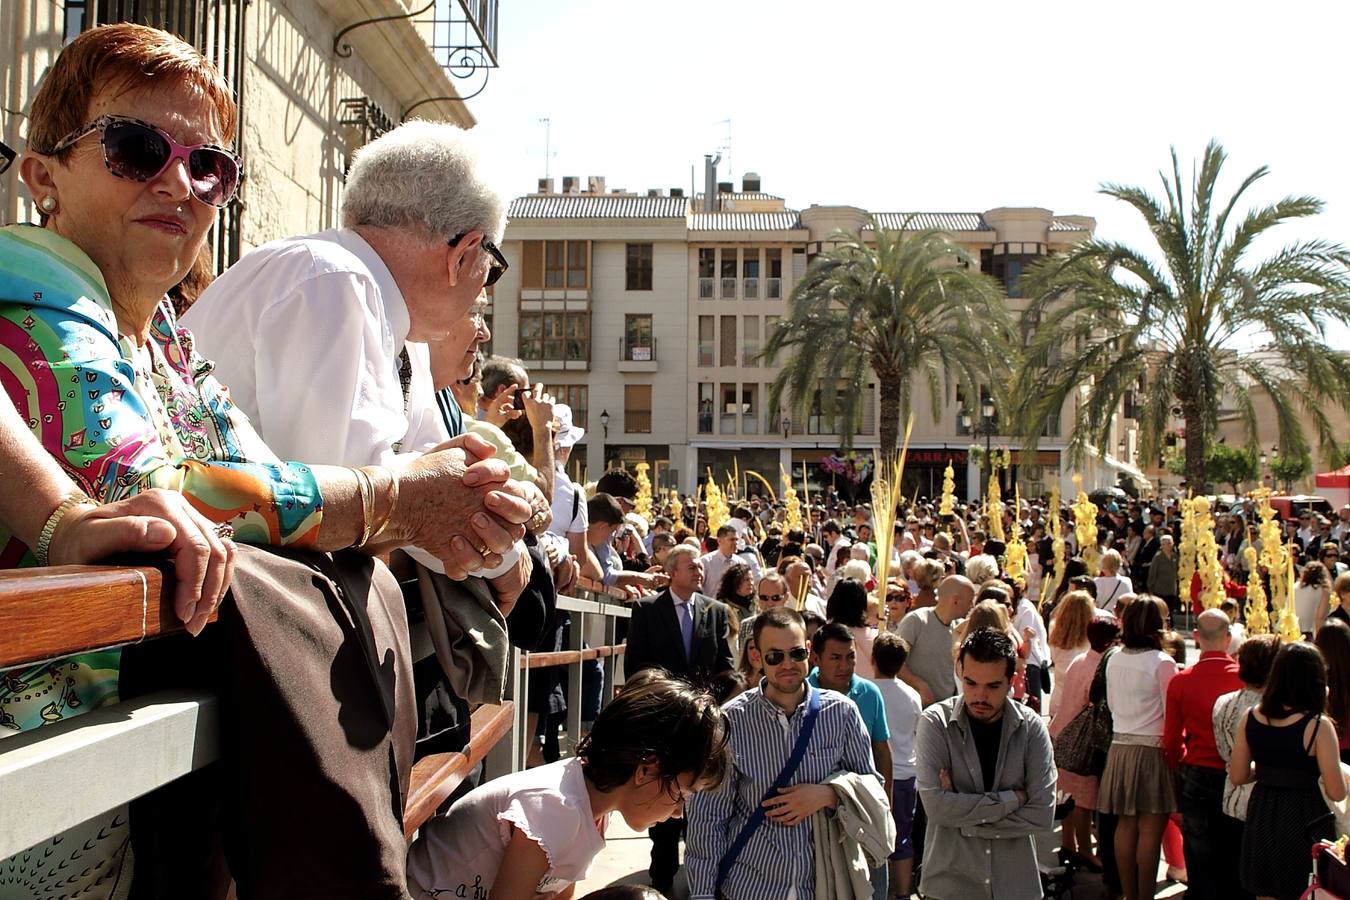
306,333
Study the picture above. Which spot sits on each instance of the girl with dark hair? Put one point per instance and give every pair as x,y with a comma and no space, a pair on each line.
1285,744
746,664
737,588
1333,639
737,591
1137,784
848,606
536,831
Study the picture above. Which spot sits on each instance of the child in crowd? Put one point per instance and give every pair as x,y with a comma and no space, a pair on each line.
889,652
1235,628
535,832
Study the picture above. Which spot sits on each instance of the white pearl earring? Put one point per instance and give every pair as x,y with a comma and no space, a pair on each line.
48,204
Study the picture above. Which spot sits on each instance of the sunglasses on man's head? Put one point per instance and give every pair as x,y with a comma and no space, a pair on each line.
499,263
138,151
775,657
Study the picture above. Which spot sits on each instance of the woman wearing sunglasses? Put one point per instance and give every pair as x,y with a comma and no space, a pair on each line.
128,165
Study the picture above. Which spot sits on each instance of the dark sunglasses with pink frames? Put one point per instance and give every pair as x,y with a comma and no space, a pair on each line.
139,151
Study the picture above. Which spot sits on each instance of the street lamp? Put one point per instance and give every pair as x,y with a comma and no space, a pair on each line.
604,421
988,426
787,427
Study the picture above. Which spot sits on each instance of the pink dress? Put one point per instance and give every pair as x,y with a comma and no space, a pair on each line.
1072,690
863,638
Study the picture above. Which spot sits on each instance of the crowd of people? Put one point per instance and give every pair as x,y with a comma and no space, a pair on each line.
959,644
317,435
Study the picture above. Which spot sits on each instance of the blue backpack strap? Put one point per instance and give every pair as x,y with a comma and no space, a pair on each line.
783,780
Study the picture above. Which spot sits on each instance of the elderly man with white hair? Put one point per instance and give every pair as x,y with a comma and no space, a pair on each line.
322,337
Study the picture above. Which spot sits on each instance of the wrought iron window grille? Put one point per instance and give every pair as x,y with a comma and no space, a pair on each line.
463,40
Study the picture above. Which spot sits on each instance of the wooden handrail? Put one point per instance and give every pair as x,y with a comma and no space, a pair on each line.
47,613
567,657
435,777
598,587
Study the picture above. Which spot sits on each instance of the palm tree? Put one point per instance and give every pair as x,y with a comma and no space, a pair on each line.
1105,319
911,306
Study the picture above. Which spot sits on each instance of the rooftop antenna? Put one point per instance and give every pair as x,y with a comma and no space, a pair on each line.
725,149
549,153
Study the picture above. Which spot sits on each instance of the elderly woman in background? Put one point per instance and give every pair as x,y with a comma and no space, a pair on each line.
126,164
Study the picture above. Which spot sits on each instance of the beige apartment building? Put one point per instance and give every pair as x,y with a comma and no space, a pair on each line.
315,80
647,313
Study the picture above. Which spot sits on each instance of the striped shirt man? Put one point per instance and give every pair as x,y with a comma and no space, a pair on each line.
778,860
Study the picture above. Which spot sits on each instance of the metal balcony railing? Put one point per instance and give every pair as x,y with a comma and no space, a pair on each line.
643,350
637,421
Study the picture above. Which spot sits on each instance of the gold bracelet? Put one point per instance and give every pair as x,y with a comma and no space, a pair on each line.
393,503
367,491
44,545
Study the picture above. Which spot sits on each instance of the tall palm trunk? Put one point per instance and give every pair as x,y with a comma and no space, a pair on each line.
1195,447
889,413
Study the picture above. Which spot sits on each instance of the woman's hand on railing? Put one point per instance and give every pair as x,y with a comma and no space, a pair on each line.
152,522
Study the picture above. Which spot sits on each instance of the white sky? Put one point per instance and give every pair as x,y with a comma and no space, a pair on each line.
899,105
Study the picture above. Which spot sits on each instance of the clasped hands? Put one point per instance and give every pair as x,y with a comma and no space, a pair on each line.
460,504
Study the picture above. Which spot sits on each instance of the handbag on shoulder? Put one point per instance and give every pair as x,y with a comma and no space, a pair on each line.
1081,747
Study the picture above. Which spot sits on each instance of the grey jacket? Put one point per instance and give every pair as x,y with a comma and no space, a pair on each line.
1162,575
982,844
855,838
468,632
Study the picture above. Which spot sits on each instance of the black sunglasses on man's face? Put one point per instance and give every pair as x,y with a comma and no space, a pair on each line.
7,155
499,263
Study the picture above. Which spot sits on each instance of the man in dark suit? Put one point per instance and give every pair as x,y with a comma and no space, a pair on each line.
685,633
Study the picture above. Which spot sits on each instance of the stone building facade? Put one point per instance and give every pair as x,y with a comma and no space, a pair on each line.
647,312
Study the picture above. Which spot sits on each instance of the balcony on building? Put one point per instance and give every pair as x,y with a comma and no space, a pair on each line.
637,356
637,421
